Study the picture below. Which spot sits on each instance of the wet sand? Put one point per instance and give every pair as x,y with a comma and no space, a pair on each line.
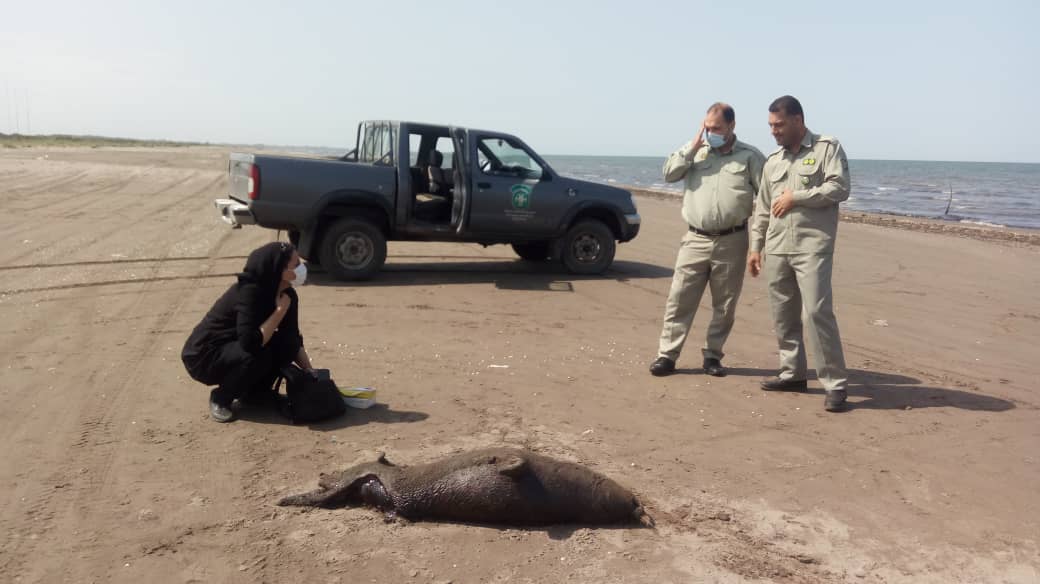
112,471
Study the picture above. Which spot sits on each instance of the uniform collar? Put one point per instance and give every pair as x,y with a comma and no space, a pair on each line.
809,138
807,141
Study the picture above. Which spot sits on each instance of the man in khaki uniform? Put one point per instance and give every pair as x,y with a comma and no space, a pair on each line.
721,178
795,223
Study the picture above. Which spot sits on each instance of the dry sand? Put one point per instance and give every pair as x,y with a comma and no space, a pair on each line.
112,472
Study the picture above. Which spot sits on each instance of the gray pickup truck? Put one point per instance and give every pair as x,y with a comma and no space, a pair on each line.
422,182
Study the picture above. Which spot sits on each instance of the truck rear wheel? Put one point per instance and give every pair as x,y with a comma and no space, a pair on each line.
588,248
353,249
532,252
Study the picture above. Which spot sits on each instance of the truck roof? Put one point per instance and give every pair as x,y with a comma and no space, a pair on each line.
431,126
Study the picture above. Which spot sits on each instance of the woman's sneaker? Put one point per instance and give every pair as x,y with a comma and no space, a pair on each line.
219,412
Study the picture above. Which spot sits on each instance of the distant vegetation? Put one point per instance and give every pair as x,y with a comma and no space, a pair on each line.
28,141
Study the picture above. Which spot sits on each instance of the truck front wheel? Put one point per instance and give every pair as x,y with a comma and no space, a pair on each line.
353,249
588,248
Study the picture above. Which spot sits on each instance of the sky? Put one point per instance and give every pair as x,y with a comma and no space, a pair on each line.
891,80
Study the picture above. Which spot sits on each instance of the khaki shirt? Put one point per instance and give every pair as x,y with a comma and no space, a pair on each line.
818,176
720,188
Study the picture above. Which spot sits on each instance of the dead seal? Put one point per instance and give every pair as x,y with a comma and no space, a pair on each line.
499,485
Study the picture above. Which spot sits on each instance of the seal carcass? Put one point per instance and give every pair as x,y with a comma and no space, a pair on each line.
499,485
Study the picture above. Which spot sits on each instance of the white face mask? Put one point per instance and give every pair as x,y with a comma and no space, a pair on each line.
714,140
301,275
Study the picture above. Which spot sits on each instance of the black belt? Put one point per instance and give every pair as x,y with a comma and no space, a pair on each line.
735,229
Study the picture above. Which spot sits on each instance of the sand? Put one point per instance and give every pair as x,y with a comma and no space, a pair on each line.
112,471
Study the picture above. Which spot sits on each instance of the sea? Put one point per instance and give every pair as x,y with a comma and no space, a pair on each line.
986,193
997,194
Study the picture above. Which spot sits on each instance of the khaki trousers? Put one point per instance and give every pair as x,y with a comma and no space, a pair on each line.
797,283
702,261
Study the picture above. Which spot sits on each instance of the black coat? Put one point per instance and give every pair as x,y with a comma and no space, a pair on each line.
237,315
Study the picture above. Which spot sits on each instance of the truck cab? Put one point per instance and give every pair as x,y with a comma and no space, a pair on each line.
425,182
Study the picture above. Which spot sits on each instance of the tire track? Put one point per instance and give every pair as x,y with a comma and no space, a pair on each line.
102,425
119,261
37,189
72,204
145,280
121,225
108,187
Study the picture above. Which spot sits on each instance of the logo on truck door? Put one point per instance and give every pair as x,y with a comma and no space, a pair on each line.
521,196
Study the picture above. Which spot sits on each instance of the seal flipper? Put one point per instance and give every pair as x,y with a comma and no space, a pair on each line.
513,466
321,497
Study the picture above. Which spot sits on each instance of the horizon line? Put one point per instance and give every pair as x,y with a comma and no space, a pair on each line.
347,149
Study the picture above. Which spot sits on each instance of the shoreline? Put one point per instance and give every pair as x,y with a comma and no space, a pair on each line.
1012,235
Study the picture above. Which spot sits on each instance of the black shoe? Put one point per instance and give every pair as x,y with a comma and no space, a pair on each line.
662,366
714,367
220,413
835,401
777,384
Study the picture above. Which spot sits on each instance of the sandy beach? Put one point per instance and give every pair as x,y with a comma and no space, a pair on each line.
112,471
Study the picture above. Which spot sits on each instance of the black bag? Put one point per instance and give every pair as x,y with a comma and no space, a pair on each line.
309,398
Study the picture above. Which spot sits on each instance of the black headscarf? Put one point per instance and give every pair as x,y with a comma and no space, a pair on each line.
265,265
238,314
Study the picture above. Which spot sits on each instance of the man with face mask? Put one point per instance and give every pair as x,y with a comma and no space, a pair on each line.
795,225
721,177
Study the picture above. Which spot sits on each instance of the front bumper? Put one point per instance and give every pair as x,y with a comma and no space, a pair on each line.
630,229
234,213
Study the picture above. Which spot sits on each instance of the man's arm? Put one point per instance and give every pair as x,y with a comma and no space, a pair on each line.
760,215
678,163
756,162
759,223
835,187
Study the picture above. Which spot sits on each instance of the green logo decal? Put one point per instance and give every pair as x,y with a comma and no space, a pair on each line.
521,196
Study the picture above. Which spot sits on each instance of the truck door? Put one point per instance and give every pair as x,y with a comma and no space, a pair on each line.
461,175
512,189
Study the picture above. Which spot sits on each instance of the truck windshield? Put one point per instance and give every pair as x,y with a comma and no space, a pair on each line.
501,157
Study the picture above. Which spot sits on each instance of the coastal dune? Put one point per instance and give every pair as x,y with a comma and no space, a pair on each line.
112,471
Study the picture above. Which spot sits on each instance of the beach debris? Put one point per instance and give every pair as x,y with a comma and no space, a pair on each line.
493,366
879,322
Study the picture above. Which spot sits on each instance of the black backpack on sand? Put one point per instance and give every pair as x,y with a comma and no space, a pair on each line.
309,398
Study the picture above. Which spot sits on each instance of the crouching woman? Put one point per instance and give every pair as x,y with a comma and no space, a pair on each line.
250,332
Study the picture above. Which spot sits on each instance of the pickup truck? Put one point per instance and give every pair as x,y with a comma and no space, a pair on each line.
421,182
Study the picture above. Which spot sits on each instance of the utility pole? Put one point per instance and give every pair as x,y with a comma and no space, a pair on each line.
8,107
